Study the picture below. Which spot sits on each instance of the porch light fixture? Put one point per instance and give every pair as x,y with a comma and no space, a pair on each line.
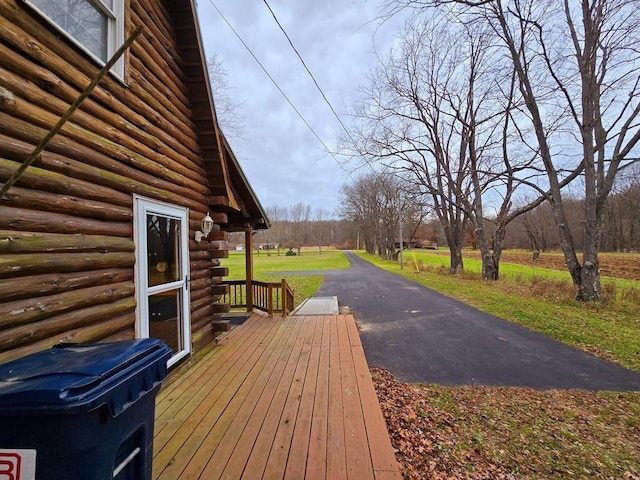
206,225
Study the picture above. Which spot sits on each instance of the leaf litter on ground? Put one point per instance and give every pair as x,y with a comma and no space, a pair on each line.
479,432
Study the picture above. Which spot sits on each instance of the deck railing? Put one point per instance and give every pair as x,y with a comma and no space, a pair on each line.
270,297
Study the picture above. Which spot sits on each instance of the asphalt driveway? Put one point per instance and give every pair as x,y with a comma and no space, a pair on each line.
422,336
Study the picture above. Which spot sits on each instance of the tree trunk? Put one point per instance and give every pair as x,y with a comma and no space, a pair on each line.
566,241
491,250
489,261
455,239
589,288
593,135
457,265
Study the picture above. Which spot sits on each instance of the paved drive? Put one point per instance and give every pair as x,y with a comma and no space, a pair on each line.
422,336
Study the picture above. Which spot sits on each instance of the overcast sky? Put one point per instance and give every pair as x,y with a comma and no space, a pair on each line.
280,156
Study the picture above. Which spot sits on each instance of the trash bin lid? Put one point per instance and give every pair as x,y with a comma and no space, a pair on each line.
74,378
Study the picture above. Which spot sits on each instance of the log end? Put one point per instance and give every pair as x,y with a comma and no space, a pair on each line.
7,100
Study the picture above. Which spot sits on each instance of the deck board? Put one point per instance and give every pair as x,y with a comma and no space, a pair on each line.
302,429
181,404
279,398
193,401
336,448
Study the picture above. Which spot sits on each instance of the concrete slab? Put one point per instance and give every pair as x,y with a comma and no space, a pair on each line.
318,306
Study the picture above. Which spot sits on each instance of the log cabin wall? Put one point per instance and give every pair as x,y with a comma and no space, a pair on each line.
67,251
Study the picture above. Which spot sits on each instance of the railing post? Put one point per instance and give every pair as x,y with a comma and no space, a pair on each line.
270,300
283,300
248,252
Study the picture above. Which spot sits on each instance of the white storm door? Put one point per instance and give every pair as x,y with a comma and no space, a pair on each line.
162,274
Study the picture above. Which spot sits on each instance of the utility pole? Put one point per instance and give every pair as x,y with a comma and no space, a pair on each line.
401,241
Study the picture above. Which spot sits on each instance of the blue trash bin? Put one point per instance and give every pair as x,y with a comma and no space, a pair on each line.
81,411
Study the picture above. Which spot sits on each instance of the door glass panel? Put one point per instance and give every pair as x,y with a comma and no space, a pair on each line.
163,240
165,320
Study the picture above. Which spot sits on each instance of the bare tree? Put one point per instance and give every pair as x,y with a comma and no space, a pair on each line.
439,109
401,124
300,217
277,233
576,64
376,203
621,226
360,205
230,120
537,226
320,229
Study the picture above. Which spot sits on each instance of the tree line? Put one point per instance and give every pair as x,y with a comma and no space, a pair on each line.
297,226
376,208
371,206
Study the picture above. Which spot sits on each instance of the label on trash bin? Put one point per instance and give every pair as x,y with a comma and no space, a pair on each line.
17,464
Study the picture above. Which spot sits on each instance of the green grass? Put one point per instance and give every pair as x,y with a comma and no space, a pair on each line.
472,265
544,302
265,268
440,260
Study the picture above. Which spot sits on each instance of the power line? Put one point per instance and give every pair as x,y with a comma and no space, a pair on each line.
335,114
274,82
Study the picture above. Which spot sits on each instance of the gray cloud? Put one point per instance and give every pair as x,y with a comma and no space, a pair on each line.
282,159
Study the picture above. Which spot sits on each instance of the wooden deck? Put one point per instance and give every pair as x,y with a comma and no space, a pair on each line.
279,398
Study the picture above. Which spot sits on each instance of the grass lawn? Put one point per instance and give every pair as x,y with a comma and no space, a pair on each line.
266,267
513,271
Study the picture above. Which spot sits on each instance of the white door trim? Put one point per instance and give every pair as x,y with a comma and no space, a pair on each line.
142,207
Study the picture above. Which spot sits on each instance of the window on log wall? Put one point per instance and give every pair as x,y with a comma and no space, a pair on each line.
96,25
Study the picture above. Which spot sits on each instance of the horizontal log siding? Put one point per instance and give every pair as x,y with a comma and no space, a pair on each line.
66,228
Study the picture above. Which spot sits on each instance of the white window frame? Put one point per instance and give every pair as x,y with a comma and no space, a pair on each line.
115,32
